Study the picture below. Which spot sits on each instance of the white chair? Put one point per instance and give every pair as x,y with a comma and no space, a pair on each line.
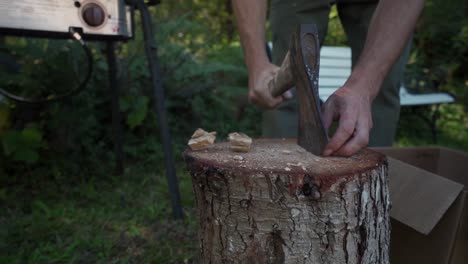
335,68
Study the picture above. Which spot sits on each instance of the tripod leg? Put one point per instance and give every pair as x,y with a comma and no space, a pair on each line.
151,53
116,118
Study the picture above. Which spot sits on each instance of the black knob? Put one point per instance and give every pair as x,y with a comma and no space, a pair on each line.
93,15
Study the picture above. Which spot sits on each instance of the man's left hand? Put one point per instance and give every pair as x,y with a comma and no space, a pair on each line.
352,109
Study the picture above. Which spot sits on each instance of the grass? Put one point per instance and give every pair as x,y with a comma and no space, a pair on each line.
126,219
100,220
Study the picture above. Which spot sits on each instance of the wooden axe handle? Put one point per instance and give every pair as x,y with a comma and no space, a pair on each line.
283,79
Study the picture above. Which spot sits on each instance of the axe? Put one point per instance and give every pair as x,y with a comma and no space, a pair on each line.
300,68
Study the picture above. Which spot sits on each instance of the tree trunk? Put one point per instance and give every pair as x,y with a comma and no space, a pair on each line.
281,204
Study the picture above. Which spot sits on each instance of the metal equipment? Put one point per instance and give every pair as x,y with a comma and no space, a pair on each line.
95,19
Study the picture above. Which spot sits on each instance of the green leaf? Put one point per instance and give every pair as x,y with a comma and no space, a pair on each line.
26,155
11,142
31,137
42,207
125,103
138,113
3,194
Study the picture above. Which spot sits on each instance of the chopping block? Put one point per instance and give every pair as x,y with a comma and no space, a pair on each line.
279,203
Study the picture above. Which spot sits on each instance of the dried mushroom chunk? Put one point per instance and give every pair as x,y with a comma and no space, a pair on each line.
201,139
240,142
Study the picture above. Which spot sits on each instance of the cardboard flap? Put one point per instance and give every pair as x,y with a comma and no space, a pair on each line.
419,198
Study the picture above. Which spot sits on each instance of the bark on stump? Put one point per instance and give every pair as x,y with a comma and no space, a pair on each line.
281,204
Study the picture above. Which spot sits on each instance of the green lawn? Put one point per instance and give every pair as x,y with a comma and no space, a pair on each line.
126,219
98,220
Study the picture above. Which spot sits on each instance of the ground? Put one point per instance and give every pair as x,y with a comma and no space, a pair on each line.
124,219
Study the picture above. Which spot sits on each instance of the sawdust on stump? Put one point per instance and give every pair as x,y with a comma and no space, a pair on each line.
278,203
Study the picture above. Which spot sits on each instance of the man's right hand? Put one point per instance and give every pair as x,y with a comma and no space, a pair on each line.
259,94
250,18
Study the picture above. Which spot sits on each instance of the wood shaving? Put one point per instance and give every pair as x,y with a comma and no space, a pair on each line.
238,158
201,139
240,142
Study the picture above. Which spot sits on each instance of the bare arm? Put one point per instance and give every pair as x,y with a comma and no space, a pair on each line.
391,25
251,19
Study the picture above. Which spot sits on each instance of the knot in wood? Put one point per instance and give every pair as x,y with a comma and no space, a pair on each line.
216,182
244,203
311,190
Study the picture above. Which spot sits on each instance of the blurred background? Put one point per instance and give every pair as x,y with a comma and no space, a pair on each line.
60,201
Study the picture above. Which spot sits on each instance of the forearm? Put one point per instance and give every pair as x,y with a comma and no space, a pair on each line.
251,18
391,26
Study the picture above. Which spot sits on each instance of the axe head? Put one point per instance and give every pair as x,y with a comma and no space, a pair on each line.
305,61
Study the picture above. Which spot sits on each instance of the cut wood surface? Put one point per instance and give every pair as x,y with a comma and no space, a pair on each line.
201,139
240,142
280,204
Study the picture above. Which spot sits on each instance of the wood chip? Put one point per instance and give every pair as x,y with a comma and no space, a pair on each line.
238,158
296,165
201,139
240,142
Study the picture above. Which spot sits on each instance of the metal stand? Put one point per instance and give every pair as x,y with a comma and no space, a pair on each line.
151,52
152,56
116,118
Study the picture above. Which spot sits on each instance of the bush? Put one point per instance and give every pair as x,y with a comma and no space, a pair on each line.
76,133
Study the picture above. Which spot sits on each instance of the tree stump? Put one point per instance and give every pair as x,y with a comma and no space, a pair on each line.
281,204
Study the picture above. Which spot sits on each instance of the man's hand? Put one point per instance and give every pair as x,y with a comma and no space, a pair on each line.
259,94
250,18
390,28
352,109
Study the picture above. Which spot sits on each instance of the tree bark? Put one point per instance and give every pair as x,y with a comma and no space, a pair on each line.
281,204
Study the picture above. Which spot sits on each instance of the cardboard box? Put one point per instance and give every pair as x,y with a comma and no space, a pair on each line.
429,192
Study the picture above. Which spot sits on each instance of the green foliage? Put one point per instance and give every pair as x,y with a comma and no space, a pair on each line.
37,59
438,62
48,67
22,145
214,19
136,109
336,35
439,56
202,70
